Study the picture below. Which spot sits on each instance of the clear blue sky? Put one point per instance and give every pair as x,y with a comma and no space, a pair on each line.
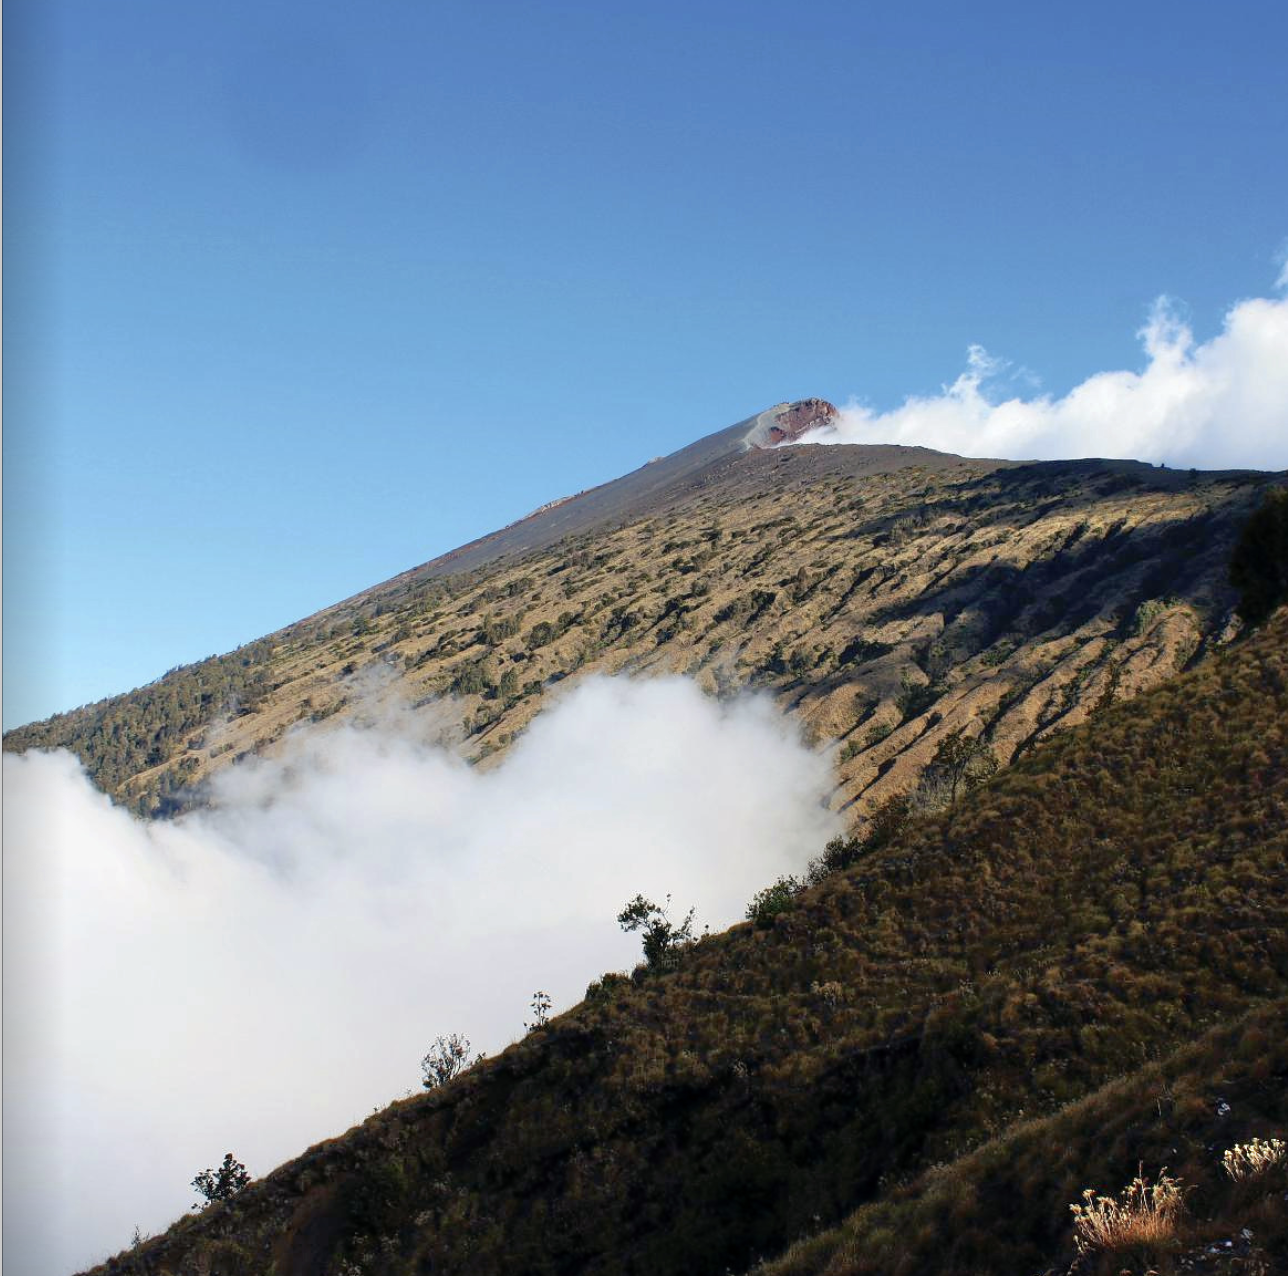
299,295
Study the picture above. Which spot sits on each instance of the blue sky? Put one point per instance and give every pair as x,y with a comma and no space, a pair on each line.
301,295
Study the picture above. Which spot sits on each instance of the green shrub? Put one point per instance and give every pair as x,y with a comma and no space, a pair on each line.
224,1183
915,698
1259,564
663,939
768,903
960,763
838,854
607,987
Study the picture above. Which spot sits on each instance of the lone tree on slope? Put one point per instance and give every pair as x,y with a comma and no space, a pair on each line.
663,939
961,763
224,1183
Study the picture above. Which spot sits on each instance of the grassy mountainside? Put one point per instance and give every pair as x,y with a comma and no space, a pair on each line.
885,595
1004,1208
875,1080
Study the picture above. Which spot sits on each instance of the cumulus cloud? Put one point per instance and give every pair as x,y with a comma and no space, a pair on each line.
1219,404
264,974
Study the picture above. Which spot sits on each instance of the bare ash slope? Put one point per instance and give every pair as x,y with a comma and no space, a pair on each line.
884,595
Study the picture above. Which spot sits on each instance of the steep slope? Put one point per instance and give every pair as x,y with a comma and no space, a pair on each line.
1110,898
635,494
886,595
1005,1207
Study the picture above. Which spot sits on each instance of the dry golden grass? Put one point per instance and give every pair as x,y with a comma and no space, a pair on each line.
1246,1161
1144,1214
1013,601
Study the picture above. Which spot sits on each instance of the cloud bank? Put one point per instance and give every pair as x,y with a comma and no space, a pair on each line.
1220,404
264,974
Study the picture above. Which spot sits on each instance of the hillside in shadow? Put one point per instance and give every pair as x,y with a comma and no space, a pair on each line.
916,1064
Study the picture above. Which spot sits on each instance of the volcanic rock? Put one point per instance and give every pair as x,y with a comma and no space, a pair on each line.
788,422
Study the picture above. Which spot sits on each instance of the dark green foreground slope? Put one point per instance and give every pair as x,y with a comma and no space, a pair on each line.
1028,958
1005,1207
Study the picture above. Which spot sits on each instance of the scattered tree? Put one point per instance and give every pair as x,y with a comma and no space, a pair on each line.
541,1004
887,820
1259,564
915,698
448,1058
960,763
884,825
508,687
838,854
222,1184
663,939
1113,676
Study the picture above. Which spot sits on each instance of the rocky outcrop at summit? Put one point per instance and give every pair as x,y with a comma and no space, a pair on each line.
788,422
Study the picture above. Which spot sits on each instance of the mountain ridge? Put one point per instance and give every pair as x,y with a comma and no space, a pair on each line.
869,588
644,488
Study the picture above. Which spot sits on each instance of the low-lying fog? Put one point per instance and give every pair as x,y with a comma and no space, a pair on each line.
263,974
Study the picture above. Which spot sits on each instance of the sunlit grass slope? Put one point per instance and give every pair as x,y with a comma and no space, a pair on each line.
883,596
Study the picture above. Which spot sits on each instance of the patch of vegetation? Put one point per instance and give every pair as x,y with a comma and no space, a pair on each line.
980,550
446,1059
119,738
664,940
961,763
1259,564
1005,1207
746,609
772,901
915,698
224,1183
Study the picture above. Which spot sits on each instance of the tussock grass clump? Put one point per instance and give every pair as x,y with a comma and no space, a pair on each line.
1252,1160
1145,1214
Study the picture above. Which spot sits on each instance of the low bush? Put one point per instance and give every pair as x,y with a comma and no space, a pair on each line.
768,903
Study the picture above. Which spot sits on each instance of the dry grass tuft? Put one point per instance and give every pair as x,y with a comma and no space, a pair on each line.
1246,1161
1145,1214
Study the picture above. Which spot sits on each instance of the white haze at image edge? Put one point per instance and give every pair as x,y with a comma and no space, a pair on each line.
263,974
1219,404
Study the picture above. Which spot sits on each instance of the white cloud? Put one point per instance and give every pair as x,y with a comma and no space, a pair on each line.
1220,404
263,975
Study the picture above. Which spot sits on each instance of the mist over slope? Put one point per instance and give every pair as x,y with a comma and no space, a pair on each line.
291,951
866,589
1021,958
